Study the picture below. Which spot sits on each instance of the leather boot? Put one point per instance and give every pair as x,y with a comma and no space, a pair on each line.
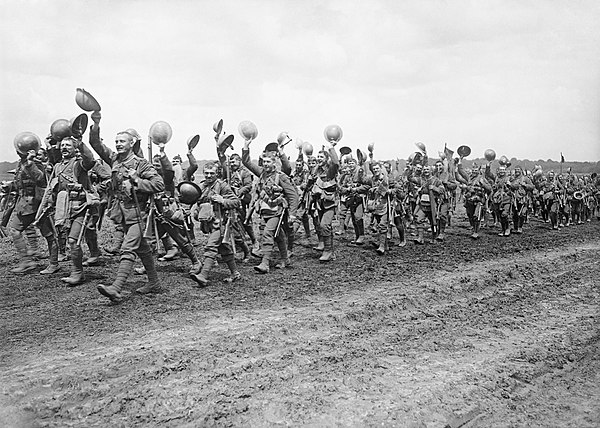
191,254
76,276
91,239
382,244
420,236
118,241
442,229
33,244
170,248
202,277
26,264
263,267
113,292
321,245
152,286
328,254
235,274
53,266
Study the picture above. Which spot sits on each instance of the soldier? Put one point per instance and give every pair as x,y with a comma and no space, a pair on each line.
299,178
378,204
133,181
73,202
399,200
443,208
325,194
240,180
216,199
28,185
99,178
521,186
475,191
501,196
187,174
428,193
169,215
275,195
354,186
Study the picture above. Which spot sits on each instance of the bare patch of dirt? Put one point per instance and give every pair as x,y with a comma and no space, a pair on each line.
498,332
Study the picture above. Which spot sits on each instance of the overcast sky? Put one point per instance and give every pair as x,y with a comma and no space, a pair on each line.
521,77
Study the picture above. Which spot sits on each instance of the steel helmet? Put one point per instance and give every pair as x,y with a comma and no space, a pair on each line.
489,155
60,129
160,132
248,130
86,101
189,192
333,133
308,148
78,125
25,141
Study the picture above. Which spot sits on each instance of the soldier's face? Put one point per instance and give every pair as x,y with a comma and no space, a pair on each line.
268,164
426,172
210,175
312,163
388,167
439,167
518,172
67,149
123,143
321,159
376,170
235,163
418,170
352,164
502,171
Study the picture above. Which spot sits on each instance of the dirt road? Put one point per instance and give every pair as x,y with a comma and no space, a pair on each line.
500,332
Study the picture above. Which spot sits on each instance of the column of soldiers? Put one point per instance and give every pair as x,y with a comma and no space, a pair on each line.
256,207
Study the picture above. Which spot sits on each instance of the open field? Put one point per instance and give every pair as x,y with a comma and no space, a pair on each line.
498,332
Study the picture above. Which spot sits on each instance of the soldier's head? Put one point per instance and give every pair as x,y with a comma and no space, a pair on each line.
439,167
211,172
475,170
351,163
269,162
551,175
156,162
502,170
376,167
68,148
176,160
561,178
426,172
42,155
124,143
235,161
388,167
312,162
322,157
518,171
418,169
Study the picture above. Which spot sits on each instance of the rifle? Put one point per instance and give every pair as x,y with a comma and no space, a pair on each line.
83,226
278,228
434,210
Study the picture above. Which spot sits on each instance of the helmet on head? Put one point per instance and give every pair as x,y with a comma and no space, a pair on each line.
25,141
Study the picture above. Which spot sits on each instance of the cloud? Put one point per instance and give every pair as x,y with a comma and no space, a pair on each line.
522,78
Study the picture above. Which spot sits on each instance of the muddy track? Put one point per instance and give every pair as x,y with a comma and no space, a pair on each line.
489,335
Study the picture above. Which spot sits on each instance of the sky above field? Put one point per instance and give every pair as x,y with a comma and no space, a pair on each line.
520,77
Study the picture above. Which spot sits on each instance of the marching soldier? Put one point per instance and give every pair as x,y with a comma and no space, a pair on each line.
299,178
24,210
521,186
73,195
325,194
133,181
443,208
501,196
475,191
276,194
428,193
378,204
354,186
214,205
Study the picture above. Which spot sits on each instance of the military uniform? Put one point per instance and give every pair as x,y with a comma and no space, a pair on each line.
128,198
476,190
521,186
275,194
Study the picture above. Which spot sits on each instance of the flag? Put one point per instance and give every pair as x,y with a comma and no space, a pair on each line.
562,158
449,153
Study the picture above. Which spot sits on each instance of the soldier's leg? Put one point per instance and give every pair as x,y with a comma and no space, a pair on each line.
289,233
359,224
62,244
171,250
268,240
317,225
284,253
118,236
48,232
421,219
443,213
33,245
180,238
144,252
211,249
76,277
382,234
327,233
18,223
227,256
131,242
91,239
